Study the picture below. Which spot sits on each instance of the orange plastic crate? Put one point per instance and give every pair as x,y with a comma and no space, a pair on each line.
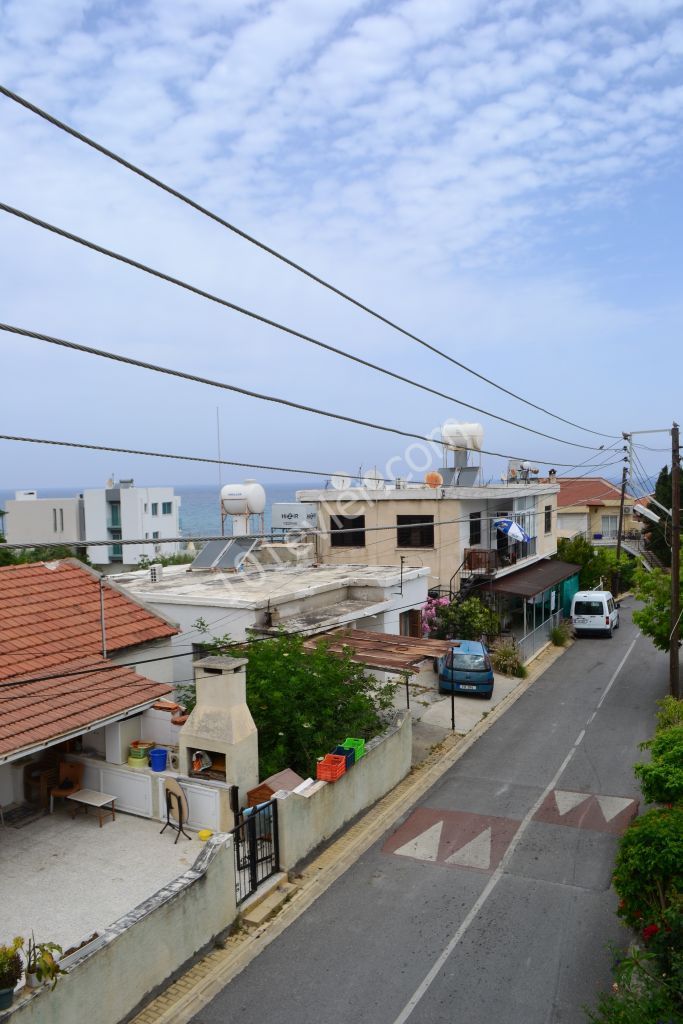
331,768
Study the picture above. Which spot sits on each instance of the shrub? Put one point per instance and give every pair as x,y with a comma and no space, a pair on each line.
661,779
505,659
560,634
464,620
671,713
648,874
11,966
638,996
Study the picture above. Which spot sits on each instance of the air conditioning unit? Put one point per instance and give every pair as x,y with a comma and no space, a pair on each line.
156,572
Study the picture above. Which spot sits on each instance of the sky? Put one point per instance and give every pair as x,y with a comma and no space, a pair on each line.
501,178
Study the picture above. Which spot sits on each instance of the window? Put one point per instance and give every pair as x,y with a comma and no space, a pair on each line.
155,535
155,508
415,531
410,623
475,528
589,608
166,508
115,513
468,662
145,508
347,531
549,519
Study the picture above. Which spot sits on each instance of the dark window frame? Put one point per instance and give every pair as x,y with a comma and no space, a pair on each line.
548,520
354,538
475,529
415,531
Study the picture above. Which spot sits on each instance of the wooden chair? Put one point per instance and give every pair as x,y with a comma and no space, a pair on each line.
40,776
176,807
70,781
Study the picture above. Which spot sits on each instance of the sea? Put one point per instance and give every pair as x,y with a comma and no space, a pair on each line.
199,508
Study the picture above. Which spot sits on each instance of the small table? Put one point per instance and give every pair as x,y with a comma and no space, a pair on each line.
91,798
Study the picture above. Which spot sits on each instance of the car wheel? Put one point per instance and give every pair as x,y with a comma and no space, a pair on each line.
611,631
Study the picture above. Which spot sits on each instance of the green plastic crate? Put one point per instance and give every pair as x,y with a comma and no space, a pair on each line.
358,746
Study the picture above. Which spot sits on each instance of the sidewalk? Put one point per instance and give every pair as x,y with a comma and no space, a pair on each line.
184,998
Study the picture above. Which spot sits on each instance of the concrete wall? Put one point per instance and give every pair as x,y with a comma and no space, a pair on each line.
28,522
143,949
146,665
307,819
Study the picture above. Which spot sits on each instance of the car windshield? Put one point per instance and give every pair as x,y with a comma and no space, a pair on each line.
469,663
588,608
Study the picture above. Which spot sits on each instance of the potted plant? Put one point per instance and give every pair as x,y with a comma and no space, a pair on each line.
11,969
41,964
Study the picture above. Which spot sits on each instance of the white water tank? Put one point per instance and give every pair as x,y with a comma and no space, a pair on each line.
462,436
243,499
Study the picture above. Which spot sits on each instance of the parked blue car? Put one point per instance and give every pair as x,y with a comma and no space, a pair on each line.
466,669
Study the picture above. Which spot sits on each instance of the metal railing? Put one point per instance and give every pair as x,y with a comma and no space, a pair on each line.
537,638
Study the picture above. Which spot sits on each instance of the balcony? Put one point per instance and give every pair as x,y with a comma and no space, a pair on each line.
488,561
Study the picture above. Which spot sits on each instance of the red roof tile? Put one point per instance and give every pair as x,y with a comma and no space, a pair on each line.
50,626
587,490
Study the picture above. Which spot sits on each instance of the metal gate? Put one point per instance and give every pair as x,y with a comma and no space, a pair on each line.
257,851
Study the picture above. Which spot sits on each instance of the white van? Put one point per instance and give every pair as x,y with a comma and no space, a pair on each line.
594,611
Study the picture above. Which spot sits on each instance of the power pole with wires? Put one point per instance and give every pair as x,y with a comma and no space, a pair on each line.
620,530
674,669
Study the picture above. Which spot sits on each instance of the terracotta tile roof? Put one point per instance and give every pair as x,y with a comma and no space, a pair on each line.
50,624
587,490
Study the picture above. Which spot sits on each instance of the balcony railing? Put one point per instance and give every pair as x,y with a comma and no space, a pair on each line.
490,560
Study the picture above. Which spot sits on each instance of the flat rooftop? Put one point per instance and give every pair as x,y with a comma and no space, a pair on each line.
217,587
420,492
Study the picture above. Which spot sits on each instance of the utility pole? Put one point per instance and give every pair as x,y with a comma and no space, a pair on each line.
674,669
624,478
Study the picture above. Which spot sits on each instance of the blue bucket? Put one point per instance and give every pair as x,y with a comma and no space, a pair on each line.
157,759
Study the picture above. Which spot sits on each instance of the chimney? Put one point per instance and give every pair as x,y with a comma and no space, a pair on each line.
219,741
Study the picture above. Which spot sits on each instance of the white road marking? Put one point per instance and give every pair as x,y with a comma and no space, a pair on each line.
495,878
612,805
425,846
579,737
567,801
475,854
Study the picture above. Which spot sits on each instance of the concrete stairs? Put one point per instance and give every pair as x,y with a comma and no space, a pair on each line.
266,901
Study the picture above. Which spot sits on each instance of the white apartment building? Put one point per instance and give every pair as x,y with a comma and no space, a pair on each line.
120,511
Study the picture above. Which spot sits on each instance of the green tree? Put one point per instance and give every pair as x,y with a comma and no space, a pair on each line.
658,535
654,618
661,778
304,703
464,620
593,562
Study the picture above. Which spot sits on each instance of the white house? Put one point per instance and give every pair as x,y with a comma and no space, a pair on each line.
305,599
117,512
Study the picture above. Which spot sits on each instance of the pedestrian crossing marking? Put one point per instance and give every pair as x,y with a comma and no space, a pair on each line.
425,846
567,801
612,805
475,854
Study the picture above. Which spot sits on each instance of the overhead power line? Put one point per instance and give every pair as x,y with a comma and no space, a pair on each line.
317,532
291,331
63,126
197,379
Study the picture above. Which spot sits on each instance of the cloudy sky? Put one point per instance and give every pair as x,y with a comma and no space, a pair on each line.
502,178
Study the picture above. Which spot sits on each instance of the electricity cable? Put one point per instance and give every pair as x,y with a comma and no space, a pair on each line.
210,382
280,256
274,323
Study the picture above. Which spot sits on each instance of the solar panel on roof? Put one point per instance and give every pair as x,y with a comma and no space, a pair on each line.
224,554
235,553
210,553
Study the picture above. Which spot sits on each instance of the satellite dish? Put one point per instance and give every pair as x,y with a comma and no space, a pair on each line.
373,481
340,481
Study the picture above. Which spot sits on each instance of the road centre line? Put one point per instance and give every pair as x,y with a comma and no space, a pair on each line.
495,878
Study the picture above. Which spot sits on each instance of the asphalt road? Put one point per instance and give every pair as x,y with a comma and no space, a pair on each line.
490,901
